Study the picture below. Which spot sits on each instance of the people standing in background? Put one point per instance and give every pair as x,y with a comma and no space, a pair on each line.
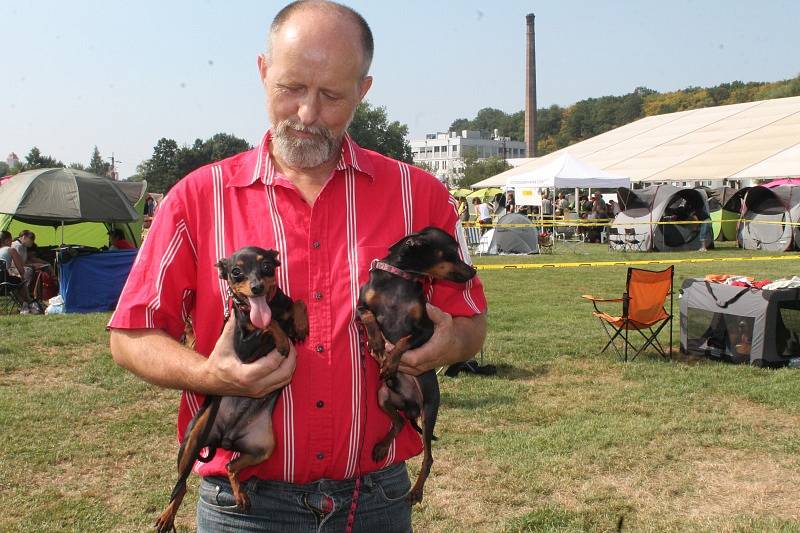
483,213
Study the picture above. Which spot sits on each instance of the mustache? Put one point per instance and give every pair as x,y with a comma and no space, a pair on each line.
320,131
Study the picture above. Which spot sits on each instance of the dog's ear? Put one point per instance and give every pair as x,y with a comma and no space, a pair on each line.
273,255
222,266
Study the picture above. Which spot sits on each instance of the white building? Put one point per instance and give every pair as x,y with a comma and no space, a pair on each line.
12,160
444,153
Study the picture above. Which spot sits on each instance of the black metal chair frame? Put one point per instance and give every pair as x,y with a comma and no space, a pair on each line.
9,299
630,240
622,331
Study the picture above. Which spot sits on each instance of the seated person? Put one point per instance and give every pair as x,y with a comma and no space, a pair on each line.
23,245
15,268
117,241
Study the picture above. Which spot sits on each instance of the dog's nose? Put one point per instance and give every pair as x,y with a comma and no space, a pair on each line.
257,289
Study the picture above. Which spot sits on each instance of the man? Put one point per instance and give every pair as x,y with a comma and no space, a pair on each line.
329,208
599,209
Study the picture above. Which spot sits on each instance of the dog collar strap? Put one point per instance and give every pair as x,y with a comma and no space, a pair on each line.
386,267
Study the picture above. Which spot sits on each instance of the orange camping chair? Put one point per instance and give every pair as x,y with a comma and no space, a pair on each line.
643,310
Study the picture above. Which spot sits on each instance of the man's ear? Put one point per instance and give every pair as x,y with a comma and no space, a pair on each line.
222,266
363,87
263,66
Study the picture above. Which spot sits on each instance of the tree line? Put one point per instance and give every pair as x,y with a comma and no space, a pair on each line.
35,159
558,127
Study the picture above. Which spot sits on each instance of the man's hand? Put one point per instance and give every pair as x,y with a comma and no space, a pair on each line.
228,375
454,340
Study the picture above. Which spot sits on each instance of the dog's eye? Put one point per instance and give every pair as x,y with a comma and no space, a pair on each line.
236,272
267,269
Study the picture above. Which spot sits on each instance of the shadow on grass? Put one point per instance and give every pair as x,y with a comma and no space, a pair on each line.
509,372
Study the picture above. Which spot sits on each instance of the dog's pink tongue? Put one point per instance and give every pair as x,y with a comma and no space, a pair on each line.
260,314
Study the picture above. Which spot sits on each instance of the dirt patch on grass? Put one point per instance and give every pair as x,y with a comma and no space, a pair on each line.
712,485
468,492
746,483
762,416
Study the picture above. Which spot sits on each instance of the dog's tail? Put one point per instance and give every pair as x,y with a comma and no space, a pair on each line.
207,459
418,429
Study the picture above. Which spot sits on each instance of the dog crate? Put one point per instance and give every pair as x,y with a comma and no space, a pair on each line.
740,324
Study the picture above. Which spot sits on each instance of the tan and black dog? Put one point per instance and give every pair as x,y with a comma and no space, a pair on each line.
266,319
391,306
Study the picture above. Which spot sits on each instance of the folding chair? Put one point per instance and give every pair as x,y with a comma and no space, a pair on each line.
630,239
9,301
615,240
643,311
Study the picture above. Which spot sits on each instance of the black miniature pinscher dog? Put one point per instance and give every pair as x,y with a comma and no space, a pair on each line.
391,306
266,319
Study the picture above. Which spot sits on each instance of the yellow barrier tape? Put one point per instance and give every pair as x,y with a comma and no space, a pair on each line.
525,266
597,222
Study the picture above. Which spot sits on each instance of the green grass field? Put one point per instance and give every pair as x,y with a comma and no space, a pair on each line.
562,439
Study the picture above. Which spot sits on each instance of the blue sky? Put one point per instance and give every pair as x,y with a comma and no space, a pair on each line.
121,75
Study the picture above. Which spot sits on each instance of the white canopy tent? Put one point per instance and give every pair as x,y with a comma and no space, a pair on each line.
564,172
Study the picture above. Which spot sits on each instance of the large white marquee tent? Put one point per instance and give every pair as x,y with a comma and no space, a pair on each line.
740,141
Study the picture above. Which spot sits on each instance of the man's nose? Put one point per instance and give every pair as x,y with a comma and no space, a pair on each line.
308,112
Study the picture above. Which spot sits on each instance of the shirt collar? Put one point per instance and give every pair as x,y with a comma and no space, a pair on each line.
263,169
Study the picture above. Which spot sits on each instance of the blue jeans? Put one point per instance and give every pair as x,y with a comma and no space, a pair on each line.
322,506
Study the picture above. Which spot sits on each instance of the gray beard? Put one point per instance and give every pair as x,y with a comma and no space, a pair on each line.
304,153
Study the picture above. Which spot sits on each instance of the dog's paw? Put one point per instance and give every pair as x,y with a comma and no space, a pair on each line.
414,497
379,452
242,500
164,524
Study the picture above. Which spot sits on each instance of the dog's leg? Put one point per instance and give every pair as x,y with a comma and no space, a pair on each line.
166,521
256,445
390,402
377,345
429,384
194,440
236,466
392,361
282,342
300,319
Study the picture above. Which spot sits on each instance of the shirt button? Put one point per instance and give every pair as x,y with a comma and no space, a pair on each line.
318,295
315,244
320,403
319,348
320,456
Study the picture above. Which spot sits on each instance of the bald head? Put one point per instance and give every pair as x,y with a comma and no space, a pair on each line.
334,17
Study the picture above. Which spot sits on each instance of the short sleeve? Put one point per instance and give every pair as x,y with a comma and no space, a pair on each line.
163,278
457,299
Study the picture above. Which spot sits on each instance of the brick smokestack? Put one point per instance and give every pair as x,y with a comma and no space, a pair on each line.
530,86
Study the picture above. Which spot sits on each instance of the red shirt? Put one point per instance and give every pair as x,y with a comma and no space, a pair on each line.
123,244
327,419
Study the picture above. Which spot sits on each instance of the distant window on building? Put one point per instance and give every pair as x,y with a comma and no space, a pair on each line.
436,149
455,149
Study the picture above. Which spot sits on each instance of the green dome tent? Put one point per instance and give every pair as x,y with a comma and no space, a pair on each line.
725,208
88,205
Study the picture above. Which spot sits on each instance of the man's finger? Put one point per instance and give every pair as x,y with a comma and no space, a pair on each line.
434,312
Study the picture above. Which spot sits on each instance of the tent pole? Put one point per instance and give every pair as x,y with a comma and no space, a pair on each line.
62,233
